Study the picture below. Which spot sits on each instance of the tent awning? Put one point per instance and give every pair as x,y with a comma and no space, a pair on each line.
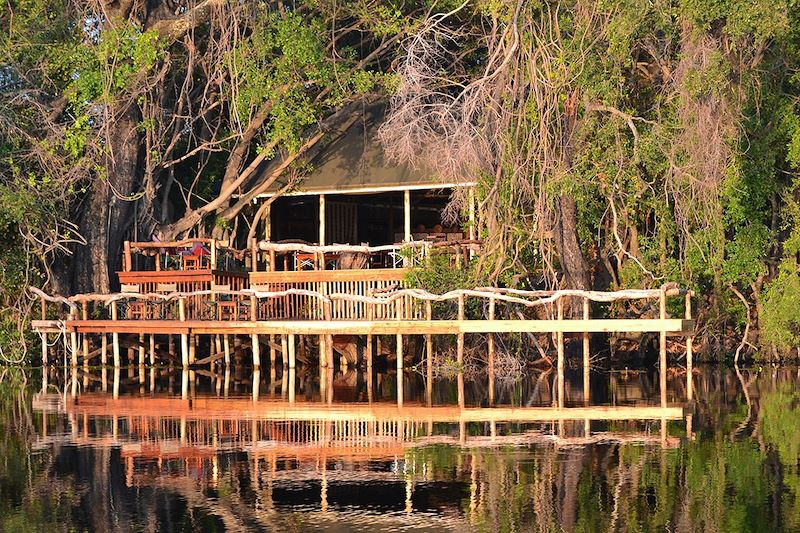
356,164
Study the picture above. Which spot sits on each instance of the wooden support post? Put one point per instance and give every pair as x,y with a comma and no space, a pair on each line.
472,230
152,349
491,353
213,258
399,353
73,342
407,216
192,348
85,337
662,348
284,351
689,355
226,344
560,364
253,255
273,357
141,349
115,336
184,336
292,359
322,220
586,352
292,380
460,345
323,353
256,351
399,383
44,351
43,305
103,349
256,390
429,355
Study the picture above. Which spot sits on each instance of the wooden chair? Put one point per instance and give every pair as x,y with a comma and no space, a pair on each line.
136,309
191,262
164,288
226,307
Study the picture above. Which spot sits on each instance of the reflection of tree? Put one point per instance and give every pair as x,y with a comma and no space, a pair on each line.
735,475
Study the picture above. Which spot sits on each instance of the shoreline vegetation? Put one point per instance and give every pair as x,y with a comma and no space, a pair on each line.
614,145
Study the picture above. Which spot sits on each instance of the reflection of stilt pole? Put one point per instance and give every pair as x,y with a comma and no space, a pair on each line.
663,432
689,355
689,435
227,384
74,381
560,364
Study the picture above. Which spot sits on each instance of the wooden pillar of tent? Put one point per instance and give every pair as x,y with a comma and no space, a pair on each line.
322,220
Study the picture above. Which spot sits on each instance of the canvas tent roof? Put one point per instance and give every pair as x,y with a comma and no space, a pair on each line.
355,163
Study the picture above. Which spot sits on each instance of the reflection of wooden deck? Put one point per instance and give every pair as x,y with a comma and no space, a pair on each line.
241,408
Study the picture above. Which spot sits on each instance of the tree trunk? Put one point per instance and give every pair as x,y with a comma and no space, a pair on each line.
106,216
573,264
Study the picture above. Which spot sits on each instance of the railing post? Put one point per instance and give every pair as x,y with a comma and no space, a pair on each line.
128,263
213,254
253,255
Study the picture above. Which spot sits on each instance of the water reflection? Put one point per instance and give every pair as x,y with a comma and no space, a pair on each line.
207,451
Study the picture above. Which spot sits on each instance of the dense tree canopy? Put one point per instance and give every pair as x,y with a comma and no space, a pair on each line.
616,143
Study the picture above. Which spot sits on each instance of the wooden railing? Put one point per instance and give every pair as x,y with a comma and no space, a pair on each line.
178,256
382,304
400,255
302,304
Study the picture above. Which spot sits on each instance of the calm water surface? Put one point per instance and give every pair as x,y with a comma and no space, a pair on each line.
199,452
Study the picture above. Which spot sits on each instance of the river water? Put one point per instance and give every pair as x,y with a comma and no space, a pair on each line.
163,450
